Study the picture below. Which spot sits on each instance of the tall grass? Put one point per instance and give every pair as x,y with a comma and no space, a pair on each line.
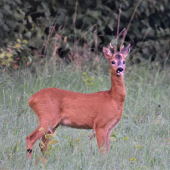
140,141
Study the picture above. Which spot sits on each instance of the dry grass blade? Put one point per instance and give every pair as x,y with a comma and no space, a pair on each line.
124,36
118,26
43,159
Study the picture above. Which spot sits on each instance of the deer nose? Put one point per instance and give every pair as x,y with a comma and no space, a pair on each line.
120,69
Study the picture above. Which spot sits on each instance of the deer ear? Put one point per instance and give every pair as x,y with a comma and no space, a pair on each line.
107,53
125,51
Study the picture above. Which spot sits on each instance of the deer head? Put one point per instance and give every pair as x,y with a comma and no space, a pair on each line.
117,59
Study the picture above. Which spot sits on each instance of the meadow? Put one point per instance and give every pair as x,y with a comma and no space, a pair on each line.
141,141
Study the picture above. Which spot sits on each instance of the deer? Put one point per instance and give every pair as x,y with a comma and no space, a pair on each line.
100,111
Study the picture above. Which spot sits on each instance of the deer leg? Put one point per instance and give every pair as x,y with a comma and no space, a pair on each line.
112,126
45,140
92,135
108,139
34,136
101,136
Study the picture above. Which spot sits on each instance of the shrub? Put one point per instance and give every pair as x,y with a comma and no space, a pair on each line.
37,28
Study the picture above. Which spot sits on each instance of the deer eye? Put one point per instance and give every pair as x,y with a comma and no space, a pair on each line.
123,62
113,62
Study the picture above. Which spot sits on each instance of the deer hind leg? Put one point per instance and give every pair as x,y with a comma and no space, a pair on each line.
101,136
34,136
41,131
45,140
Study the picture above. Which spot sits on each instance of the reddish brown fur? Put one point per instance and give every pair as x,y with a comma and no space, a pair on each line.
100,111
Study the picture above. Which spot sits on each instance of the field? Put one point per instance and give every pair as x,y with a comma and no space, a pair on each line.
141,141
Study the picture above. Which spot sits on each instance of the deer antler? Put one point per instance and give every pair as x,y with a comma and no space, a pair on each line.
117,37
121,48
113,48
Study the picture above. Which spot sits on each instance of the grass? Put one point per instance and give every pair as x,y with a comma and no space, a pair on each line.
141,141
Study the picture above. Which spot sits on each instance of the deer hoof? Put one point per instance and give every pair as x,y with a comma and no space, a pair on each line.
29,150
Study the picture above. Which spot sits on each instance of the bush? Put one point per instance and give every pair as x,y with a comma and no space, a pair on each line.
36,29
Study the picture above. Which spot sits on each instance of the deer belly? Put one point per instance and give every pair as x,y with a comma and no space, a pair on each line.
77,122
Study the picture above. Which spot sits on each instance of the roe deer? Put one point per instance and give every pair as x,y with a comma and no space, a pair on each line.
100,111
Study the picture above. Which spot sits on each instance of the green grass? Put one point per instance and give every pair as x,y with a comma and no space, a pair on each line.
140,141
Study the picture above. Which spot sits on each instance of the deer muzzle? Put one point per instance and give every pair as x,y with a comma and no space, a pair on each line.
119,71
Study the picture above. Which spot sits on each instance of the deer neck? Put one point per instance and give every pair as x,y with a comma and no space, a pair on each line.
117,90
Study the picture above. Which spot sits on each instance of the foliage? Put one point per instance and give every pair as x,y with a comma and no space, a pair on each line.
60,28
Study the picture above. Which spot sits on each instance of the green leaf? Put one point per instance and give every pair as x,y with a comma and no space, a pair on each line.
28,34
94,14
7,7
138,146
132,159
42,165
18,40
6,28
29,19
77,140
42,144
53,142
18,17
25,41
126,138
112,138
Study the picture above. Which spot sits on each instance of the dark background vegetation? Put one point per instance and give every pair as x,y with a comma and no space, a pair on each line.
33,30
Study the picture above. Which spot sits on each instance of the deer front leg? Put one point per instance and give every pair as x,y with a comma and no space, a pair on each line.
112,126
108,139
101,136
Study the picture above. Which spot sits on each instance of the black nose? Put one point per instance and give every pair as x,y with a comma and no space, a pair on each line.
120,69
